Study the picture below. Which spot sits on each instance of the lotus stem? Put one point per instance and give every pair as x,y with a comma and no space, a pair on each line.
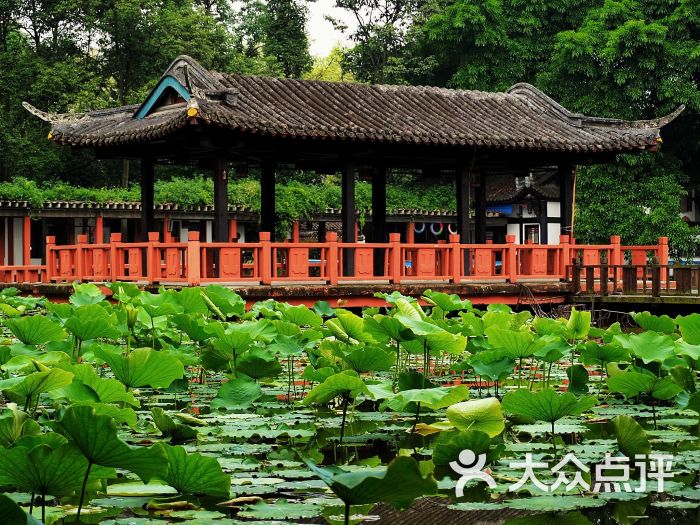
415,421
554,443
346,399
43,507
347,513
82,491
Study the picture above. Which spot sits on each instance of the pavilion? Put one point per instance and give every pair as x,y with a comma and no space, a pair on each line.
221,121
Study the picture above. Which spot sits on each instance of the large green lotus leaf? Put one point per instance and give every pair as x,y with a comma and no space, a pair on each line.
230,336
143,367
550,348
446,302
448,445
517,343
631,438
648,346
398,484
596,354
157,305
690,328
169,427
42,469
579,324
15,424
484,415
228,302
40,382
258,363
35,329
107,390
92,321
13,514
656,323
633,383
446,342
410,308
545,405
684,348
121,416
191,301
472,325
346,382
237,393
86,293
433,398
195,474
492,364
27,364
96,438
369,359
383,328
280,509
193,325
300,315
548,326
418,327
347,327
578,379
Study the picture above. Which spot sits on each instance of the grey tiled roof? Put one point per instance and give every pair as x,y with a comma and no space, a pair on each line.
523,118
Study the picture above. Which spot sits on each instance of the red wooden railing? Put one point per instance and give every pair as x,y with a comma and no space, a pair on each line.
266,262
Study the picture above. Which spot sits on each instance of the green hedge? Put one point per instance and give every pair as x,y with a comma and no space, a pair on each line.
294,199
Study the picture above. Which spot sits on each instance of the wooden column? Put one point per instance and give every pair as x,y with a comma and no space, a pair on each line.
379,232
220,200
147,178
480,208
462,179
26,240
233,230
379,204
348,216
99,229
566,197
267,198
544,234
3,226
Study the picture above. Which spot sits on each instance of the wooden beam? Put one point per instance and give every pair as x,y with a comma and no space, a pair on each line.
544,225
221,226
566,197
26,240
267,198
147,180
348,214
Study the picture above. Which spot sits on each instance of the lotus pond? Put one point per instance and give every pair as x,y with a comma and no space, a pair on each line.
183,407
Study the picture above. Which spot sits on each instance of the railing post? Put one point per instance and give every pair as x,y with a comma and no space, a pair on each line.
615,251
395,266
50,257
114,256
564,256
575,277
266,262
81,241
456,258
332,257
663,257
655,277
153,270
194,268
511,259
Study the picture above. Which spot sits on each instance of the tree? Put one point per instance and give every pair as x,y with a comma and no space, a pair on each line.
380,38
330,68
284,36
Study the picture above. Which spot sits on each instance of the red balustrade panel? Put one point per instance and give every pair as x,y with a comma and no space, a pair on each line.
538,262
230,261
483,262
298,263
173,264
134,262
426,262
364,262
65,263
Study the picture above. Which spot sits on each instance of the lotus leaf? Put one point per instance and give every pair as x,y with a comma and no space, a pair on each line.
195,474
15,424
86,293
178,432
545,405
35,329
13,514
648,346
347,382
484,415
433,398
143,367
579,324
633,383
631,438
237,393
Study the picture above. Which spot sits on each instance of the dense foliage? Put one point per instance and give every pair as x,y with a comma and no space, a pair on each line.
185,405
